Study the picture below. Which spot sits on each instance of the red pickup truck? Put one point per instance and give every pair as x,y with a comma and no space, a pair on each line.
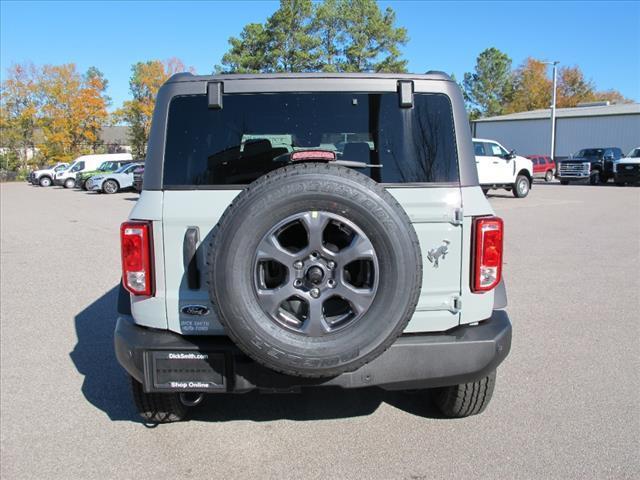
543,167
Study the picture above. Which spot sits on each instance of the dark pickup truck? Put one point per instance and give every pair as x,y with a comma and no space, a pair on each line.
593,164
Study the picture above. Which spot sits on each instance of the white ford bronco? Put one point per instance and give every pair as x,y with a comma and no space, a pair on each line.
311,230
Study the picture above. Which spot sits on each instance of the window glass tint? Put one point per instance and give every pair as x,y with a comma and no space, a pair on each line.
478,148
254,134
495,149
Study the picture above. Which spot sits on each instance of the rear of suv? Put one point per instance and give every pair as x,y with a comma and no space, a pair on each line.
543,167
301,230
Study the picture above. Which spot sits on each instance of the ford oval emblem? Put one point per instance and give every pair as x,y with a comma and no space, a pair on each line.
198,310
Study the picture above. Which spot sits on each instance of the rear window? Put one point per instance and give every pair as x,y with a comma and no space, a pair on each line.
256,133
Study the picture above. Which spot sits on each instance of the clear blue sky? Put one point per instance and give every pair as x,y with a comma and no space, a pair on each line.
600,37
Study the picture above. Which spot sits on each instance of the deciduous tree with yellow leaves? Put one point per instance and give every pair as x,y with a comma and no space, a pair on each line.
73,111
54,110
146,79
19,107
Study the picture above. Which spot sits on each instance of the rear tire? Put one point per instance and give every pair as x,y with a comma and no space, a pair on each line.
522,186
158,407
69,183
594,179
466,399
44,182
548,176
620,184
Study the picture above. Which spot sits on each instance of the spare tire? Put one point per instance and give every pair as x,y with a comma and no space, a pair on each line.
314,270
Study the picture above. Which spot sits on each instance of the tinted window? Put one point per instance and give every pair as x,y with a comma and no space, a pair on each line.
591,153
77,167
494,150
254,134
478,148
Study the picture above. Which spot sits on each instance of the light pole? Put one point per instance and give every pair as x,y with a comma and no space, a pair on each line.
553,111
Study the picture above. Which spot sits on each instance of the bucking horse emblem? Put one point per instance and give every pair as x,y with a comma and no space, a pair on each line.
434,254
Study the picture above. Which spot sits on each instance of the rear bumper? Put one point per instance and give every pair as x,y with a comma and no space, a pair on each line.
461,355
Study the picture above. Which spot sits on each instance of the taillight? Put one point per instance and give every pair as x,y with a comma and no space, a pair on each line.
487,263
313,155
135,241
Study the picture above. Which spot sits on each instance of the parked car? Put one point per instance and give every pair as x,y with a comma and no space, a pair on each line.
44,177
113,182
499,168
85,163
543,167
105,167
314,276
627,169
592,164
138,174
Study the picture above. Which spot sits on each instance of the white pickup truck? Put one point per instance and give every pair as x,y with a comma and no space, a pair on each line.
500,168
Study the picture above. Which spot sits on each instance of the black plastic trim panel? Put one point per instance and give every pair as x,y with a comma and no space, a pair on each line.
461,355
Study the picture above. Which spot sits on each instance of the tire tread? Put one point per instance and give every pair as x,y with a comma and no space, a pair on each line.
466,399
158,407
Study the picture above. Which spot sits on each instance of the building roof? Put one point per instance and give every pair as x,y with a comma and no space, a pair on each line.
587,111
115,135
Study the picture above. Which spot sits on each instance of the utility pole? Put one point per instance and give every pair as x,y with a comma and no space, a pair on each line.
553,111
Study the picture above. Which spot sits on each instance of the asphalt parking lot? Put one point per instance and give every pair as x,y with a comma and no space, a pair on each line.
566,403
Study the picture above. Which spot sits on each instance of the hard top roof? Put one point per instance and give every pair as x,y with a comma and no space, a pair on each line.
189,77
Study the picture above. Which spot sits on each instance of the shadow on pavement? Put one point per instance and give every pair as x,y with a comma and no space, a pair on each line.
310,404
106,385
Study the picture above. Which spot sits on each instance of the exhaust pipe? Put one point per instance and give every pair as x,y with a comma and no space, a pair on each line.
191,399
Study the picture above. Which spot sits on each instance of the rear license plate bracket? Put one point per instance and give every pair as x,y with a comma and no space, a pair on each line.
188,371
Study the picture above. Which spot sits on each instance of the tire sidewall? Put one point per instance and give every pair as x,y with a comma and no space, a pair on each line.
109,182
517,188
233,291
69,183
45,182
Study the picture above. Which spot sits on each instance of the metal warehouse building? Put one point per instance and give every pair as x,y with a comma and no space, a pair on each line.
529,133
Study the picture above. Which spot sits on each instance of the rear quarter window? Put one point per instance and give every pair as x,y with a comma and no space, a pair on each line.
256,133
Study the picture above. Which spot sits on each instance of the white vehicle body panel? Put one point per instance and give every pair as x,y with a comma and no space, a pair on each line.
493,168
124,179
86,163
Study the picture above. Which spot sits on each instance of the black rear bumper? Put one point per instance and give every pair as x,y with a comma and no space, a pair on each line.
461,355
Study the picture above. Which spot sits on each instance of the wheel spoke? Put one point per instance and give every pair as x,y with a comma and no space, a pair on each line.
360,299
270,299
270,249
360,248
315,223
315,325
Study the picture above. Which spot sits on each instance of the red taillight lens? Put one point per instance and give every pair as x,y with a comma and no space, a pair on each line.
487,264
135,241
